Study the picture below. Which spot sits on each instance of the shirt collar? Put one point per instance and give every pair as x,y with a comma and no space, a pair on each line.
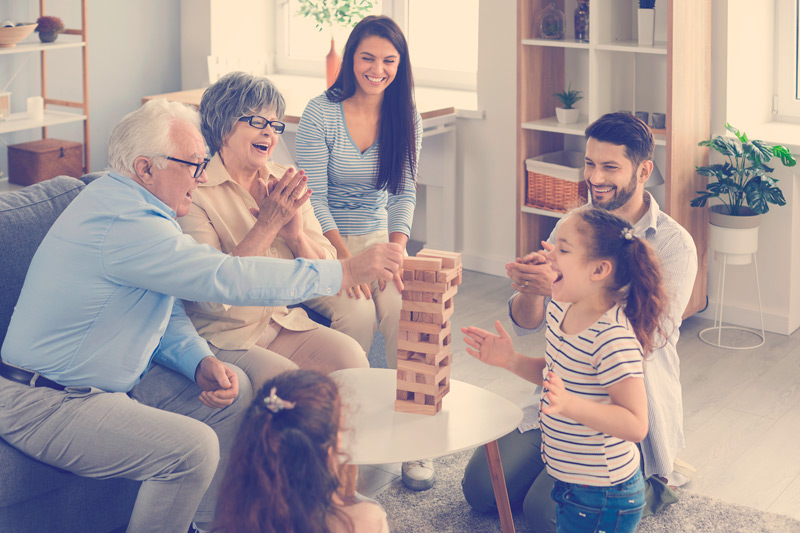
146,195
647,225
218,174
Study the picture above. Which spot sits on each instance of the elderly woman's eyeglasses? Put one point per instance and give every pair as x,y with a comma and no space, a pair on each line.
261,123
198,167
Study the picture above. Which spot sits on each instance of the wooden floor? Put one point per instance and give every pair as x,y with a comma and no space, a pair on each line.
741,407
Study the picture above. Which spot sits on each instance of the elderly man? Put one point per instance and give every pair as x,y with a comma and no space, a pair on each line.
100,305
619,160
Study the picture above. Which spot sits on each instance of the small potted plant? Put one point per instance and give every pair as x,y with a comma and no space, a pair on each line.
334,14
568,114
744,188
49,28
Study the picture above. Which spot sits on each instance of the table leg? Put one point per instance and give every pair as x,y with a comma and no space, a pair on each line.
350,477
499,485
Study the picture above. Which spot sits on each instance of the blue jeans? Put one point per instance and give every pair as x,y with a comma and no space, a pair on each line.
617,508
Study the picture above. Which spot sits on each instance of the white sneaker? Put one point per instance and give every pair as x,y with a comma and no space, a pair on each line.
418,475
684,469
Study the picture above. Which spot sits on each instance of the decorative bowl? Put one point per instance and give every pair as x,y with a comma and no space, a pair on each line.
11,36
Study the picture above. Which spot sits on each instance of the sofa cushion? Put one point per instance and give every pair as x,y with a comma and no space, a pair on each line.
25,217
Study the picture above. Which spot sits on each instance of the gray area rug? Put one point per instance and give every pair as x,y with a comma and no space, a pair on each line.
444,509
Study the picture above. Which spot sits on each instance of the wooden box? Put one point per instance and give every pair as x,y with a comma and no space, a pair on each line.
36,161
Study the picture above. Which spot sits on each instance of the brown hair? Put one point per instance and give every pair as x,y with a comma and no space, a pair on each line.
280,477
636,276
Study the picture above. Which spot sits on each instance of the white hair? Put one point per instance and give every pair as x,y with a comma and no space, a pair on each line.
146,132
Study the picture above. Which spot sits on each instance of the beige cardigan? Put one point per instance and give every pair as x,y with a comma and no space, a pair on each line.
220,216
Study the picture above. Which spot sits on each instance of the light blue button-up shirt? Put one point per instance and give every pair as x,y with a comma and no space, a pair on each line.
101,299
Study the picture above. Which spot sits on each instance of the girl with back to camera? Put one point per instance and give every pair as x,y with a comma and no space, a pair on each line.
285,465
359,145
604,315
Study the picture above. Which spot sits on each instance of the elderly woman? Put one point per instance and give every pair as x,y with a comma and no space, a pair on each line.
240,117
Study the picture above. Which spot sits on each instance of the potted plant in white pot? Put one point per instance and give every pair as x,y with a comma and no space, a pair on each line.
646,22
744,188
568,114
332,14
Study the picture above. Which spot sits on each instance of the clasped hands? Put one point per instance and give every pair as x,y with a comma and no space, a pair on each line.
279,202
532,274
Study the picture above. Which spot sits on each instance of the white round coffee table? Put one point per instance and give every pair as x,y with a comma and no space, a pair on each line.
378,434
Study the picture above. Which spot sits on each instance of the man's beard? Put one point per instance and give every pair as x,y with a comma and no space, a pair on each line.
621,196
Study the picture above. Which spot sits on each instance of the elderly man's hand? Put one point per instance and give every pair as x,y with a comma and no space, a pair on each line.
532,274
279,201
379,261
219,383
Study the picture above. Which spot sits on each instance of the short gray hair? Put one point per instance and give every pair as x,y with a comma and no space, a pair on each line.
146,132
235,95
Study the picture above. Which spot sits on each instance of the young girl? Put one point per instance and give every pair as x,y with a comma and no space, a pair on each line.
607,298
285,466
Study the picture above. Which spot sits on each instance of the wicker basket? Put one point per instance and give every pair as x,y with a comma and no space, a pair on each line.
555,181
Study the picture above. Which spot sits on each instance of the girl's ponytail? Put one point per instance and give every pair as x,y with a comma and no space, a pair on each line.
636,275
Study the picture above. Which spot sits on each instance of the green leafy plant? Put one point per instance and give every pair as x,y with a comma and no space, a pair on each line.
647,4
49,25
333,13
568,97
744,179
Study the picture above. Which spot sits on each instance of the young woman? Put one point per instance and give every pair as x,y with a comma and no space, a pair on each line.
359,145
285,465
607,300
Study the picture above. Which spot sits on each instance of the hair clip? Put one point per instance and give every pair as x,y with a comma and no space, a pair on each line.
275,403
627,234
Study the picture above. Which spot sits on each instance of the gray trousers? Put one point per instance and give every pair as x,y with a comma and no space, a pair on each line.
160,434
529,483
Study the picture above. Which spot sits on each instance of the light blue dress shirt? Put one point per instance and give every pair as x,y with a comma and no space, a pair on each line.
101,299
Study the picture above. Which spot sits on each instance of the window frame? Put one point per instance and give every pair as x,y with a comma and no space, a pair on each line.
787,38
398,10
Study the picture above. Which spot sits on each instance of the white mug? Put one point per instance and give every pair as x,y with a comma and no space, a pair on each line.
36,108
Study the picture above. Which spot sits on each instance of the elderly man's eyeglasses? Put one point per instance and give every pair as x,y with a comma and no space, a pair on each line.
198,167
261,123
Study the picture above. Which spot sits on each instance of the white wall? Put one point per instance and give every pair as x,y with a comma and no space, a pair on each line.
487,148
741,84
134,51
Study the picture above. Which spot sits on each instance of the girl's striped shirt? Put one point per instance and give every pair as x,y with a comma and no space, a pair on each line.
589,362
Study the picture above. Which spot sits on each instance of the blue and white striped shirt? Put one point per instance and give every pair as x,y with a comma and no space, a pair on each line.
343,179
676,251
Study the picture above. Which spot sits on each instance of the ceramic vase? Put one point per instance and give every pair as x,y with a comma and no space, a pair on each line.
333,61
567,116
647,20
736,236
48,36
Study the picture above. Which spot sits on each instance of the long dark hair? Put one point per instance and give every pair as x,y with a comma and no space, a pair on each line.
636,282
280,477
396,131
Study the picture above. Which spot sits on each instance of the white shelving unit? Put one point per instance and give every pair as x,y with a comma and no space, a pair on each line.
614,73
77,111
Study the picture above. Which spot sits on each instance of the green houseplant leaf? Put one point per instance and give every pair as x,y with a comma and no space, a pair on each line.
568,97
332,13
744,178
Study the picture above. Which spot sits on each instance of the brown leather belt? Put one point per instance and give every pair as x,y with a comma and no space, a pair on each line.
25,376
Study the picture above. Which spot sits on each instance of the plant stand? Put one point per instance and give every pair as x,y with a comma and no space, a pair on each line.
718,327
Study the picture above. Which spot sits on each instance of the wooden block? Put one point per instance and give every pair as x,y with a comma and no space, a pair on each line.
426,286
440,358
419,347
408,275
424,307
402,395
429,277
431,329
422,263
413,408
449,259
405,316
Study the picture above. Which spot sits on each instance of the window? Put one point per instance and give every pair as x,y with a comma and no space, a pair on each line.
787,59
442,38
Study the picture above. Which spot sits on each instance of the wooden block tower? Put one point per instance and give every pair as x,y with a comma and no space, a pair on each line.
431,280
